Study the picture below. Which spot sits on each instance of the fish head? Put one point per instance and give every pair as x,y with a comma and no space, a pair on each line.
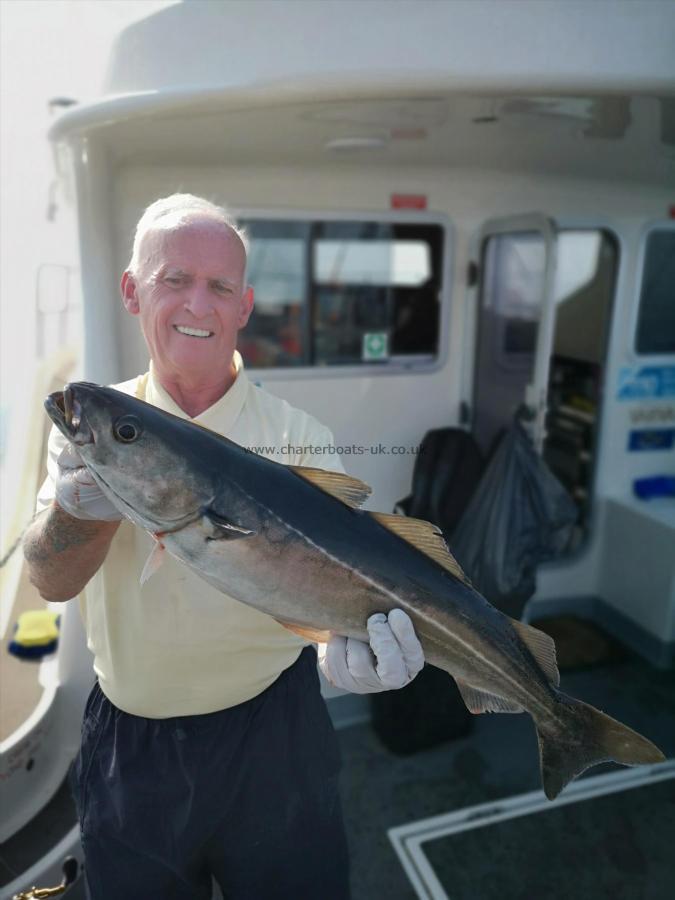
144,459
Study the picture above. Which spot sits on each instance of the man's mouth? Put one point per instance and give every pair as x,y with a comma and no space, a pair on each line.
193,332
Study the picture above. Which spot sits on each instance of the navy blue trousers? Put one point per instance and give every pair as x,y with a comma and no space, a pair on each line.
248,795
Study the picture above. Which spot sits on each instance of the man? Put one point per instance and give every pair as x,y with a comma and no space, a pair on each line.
206,747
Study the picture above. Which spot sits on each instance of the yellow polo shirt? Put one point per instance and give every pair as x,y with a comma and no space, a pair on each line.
177,646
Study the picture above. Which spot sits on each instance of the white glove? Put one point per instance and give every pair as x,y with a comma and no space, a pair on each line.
77,492
391,661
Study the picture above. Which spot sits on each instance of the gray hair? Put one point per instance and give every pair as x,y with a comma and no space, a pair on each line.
179,209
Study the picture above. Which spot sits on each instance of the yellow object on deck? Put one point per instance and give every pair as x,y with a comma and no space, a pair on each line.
37,633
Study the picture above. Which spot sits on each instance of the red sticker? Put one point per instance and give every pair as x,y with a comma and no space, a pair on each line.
408,201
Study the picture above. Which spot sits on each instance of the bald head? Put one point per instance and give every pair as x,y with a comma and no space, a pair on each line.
177,212
153,247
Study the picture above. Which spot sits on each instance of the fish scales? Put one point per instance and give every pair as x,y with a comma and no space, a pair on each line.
395,574
292,543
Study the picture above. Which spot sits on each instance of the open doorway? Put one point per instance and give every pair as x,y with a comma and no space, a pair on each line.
587,262
568,285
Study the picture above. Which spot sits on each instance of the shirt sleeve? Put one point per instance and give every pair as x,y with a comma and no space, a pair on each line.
47,492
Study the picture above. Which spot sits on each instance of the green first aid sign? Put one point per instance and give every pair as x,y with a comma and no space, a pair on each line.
375,345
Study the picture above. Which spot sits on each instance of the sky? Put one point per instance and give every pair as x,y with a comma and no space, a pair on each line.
48,48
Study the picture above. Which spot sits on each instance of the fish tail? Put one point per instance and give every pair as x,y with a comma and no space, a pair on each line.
579,737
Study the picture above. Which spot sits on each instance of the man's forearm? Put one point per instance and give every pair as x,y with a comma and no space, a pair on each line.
63,552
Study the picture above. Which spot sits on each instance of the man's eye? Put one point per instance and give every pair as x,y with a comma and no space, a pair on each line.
173,280
222,288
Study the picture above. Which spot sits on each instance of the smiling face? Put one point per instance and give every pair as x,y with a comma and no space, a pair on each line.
190,295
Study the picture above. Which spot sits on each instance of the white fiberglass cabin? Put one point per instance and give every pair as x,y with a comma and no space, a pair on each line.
455,208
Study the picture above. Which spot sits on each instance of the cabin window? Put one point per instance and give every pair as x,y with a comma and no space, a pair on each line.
656,317
386,262
516,263
343,293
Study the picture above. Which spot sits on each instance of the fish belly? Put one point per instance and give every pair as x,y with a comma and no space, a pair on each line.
285,577
288,577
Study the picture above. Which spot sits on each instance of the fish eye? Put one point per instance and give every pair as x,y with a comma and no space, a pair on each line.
127,429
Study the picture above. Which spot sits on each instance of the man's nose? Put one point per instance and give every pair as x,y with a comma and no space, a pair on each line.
198,300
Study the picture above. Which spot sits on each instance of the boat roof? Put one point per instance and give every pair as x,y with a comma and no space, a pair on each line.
432,81
570,45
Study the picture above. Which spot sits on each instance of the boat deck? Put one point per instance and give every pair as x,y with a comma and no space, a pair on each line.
499,760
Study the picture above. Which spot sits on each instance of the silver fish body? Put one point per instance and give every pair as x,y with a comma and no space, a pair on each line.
294,544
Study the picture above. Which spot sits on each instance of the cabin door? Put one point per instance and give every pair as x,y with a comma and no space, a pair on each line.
514,336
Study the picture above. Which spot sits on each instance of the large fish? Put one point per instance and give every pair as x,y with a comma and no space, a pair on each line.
294,543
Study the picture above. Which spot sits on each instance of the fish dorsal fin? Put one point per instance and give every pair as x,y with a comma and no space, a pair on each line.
425,537
478,701
343,487
542,647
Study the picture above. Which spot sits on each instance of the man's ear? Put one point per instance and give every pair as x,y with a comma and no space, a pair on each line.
129,295
245,306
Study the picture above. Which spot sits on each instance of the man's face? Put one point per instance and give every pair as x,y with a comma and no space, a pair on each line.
191,298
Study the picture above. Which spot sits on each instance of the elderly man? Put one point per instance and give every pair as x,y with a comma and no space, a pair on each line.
206,747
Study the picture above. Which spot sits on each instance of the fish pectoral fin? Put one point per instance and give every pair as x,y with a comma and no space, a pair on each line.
310,634
479,701
542,647
154,561
343,487
425,537
219,528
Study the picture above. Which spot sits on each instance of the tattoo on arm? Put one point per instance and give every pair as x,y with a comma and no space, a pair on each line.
63,553
59,532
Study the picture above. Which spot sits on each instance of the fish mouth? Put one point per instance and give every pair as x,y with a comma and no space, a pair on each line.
65,411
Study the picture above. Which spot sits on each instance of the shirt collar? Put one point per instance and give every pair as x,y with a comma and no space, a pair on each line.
221,416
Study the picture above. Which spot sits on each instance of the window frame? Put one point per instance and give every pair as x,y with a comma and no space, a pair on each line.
397,366
655,358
